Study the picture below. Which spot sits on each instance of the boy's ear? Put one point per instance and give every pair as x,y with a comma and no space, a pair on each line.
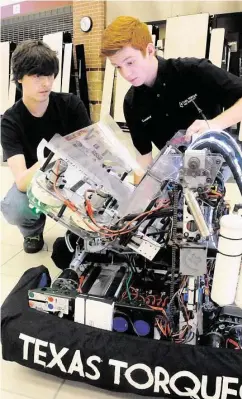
20,81
150,49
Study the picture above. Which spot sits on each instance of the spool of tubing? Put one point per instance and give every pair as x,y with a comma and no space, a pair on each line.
228,260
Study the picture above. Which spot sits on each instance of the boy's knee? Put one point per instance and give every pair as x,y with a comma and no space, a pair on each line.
15,207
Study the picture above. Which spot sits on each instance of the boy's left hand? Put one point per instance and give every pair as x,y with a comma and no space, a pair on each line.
199,127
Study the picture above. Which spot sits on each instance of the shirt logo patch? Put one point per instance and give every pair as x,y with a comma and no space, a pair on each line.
146,119
187,100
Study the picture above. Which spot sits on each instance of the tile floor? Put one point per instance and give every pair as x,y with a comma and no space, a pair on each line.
18,382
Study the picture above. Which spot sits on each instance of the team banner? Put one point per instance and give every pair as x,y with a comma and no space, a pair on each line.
111,360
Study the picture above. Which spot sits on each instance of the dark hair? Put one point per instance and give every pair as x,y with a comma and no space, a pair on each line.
33,57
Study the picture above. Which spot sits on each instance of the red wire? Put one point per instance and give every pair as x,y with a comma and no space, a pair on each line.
124,229
231,341
112,233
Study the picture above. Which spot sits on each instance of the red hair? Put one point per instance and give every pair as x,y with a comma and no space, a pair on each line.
125,31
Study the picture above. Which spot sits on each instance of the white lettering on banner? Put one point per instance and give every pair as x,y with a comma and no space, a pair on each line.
161,384
38,352
57,357
226,390
218,386
189,391
76,364
240,392
140,366
117,364
159,378
91,359
27,340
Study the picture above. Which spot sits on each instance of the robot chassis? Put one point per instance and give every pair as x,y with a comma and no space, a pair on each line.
152,260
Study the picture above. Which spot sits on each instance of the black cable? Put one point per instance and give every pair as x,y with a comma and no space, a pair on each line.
208,202
217,208
237,207
200,111
47,161
134,266
158,233
221,180
130,264
156,214
147,226
164,227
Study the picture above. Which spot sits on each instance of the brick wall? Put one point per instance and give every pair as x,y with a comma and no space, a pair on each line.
92,45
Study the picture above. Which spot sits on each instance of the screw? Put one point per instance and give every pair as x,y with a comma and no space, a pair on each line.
193,163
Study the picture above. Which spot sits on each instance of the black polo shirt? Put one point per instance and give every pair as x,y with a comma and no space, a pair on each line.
155,114
21,132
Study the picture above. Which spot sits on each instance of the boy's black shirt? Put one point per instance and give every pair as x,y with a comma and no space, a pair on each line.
21,132
155,114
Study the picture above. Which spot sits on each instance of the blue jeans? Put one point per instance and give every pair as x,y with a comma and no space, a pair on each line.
15,209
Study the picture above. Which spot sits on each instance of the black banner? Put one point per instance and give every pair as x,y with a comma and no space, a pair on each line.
111,360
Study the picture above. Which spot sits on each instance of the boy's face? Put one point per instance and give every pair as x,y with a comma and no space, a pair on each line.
133,65
37,87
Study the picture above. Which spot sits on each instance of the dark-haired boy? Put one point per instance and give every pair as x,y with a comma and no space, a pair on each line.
40,113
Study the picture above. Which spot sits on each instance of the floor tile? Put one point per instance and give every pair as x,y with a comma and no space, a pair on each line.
7,283
10,234
9,251
24,381
49,224
22,262
73,389
11,395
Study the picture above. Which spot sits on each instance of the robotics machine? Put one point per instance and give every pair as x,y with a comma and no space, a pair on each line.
160,260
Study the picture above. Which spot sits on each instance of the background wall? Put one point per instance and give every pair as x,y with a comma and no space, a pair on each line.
159,10
102,13
29,7
92,45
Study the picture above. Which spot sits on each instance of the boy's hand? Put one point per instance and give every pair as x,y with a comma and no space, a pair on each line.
199,127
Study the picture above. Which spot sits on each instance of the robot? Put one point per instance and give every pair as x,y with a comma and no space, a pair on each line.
152,260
